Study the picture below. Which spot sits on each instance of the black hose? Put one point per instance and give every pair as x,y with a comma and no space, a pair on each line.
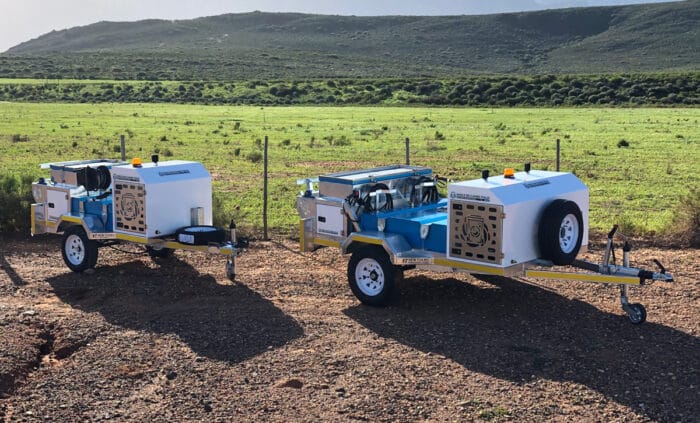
430,193
388,204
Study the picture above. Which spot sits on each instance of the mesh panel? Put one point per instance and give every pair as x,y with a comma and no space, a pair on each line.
476,231
129,208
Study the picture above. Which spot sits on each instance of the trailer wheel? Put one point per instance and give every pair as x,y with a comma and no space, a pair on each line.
560,232
201,235
371,275
159,252
79,252
637,313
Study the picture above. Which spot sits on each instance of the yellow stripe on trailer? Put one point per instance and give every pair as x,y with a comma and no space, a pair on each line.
469,266
178,246
72,219
131,238
584,277
33,217
326,242
367,240
227,250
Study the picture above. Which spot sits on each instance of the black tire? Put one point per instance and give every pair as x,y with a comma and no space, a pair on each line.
201,235
159,253
372,277
78,251
637,314
560,232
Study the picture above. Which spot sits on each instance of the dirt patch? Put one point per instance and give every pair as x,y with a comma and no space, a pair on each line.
175,340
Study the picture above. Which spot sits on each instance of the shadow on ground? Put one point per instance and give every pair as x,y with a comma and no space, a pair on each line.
5,267
520,332
223,322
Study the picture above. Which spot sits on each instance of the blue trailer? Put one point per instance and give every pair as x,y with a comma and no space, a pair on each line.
394,218
164,206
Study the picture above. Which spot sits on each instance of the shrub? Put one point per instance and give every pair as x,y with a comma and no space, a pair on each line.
685,226
254,156
342,141
623,143
15,200
223,212
435,146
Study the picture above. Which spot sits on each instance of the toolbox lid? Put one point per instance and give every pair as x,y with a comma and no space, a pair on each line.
521,187
163,172
377,174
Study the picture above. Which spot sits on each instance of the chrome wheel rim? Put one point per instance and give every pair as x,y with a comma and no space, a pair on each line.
568,233
75,250
369,277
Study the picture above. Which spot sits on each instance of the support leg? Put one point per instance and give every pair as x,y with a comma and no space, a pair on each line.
231,268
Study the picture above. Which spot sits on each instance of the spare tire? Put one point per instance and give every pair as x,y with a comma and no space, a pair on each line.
560,232
201,235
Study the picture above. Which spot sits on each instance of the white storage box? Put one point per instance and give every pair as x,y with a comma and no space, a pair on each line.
496,221
155,200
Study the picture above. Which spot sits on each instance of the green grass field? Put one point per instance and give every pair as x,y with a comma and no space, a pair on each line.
638,163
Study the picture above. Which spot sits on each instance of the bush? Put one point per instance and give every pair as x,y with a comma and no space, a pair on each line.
342,141
435,146
623,143
685,227
15,200
254,156
223,212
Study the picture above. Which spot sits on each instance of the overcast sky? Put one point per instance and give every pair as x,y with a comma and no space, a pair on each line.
22,20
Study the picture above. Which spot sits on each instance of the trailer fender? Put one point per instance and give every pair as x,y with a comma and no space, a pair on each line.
66,222
93,223
90,224
393,244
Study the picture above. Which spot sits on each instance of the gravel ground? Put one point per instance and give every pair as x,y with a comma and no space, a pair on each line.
174,340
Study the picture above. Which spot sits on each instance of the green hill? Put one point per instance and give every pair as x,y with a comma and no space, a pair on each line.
639,38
